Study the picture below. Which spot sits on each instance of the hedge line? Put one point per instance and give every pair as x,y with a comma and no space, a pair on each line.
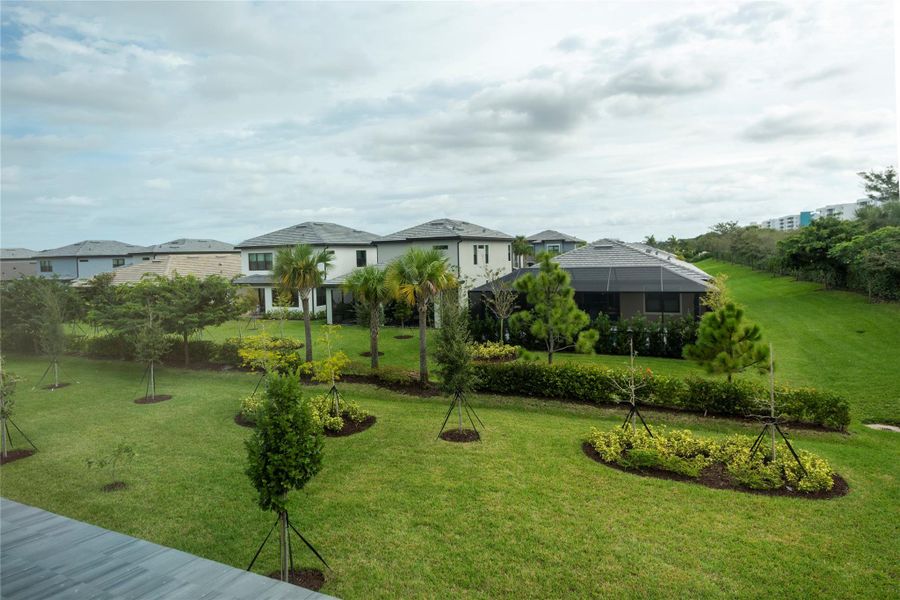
594,384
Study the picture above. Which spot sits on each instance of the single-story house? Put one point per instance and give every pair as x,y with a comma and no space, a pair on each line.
350,248
623,280
17,262
83,260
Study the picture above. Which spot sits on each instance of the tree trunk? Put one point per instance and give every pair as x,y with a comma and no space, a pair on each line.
56,372
459,410
152,381
283,543
373,336
187,356
2,435
308,327
423,356
501,331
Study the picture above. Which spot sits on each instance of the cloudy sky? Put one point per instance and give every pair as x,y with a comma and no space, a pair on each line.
149,122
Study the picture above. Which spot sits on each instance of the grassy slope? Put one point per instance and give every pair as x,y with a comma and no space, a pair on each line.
400,514
825,339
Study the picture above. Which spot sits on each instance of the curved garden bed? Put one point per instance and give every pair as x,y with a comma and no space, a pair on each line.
14,455
152,399
350,426
460,435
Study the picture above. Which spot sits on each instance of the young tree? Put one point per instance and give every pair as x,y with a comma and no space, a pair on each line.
369,289
99,295
118,457
52,334
8,383
246,303
301,268
188,305
285,451
284,299
726,345
150,344
417,278
330,368
521,248
554,317
454,357
503,298
630,387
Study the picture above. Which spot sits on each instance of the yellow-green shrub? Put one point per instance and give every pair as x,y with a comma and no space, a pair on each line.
321,405
494,351
264,352
251,405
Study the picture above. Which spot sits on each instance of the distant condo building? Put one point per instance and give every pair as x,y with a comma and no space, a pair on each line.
844,212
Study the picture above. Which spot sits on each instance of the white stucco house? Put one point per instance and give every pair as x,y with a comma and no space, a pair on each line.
470,250
83,260
350,248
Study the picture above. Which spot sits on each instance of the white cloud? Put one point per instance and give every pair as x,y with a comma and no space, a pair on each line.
158,183
75,201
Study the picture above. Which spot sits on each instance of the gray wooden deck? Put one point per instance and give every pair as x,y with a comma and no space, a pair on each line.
47,556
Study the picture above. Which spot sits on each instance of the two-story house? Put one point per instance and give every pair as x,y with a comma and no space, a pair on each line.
83,260
350,248
17,262
553,242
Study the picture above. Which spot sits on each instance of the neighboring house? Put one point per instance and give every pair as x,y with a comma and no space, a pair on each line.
198,265
552,241
83,260
185,246
470,250
17,262
350,248
623,280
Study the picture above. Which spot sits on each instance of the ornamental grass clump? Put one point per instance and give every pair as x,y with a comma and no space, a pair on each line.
683,453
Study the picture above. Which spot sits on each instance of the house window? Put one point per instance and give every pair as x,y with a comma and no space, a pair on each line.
662,302
509,252
553,248
360,258
46,266
320,297
118,262
145,258
441,247
260,261
476,248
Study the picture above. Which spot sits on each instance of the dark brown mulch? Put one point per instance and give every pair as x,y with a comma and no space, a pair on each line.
367,353
311,579
463,436
115,485
56,386
412,388
13,455
716,476
350,426
153,400
242,421
402,337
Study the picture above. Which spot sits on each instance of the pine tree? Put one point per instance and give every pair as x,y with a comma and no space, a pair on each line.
725,345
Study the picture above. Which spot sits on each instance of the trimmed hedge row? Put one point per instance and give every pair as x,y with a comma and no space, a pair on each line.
595,384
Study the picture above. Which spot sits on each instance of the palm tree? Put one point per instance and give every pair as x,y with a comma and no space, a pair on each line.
301,269
417,277
521,248
367,284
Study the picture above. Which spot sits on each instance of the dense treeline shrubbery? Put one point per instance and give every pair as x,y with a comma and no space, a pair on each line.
861,255
596,384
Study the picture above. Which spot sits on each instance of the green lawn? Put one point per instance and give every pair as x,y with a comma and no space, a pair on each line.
398,513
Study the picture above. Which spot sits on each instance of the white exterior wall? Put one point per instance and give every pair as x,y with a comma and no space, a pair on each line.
343,261
844,212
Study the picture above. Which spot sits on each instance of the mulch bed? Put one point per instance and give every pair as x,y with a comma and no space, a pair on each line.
115,485
350,426
13,455
242,421
402,337
311,579
462,436
56,386
367,353
716,476
153,400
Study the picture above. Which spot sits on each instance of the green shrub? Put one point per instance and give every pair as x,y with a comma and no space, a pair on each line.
251,405
594,384
264,352
684,453
494,351
321,405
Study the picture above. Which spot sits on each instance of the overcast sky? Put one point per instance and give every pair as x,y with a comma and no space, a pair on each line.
148,122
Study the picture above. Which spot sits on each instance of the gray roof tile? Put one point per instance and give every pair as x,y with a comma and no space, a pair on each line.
92,248
549,235
313,233
16,253
445,229
190,246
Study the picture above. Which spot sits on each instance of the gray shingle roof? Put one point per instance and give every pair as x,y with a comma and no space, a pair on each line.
445,229
190,246
549,235
312,233
92,248
613,266
16,253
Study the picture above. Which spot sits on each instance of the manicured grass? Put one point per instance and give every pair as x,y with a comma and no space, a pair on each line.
825,339
398,513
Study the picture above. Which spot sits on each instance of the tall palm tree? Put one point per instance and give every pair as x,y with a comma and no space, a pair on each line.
521,248
367,284
417,277
301,269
